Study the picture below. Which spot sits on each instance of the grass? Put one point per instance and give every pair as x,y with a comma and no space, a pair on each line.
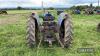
20,11
13,38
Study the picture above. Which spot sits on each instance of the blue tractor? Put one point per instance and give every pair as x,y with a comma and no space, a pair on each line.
98,12
49,30
76,12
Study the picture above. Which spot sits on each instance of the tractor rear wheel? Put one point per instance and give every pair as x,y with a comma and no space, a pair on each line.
66,31
31,32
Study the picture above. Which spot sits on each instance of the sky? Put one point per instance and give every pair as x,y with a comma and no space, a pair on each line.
47,3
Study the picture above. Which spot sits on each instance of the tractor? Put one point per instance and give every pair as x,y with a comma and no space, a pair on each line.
49,30
89,11
76,11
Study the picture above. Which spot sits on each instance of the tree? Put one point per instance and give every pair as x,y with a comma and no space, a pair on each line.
97,7
79,7
19,8
73,7
51,8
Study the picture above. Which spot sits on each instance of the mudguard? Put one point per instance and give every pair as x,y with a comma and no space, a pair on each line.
36,17
61,17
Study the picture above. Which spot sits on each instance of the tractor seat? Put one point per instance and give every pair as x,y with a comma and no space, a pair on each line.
48,17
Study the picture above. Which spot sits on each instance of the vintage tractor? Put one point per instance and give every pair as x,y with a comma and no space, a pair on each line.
89,11
76,12
49,30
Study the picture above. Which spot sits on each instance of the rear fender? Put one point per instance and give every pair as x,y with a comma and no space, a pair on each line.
62,17
36,17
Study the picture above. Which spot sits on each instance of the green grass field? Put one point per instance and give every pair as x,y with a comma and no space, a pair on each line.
13,36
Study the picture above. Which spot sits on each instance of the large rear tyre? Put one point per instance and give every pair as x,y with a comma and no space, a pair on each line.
66,31
31,32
